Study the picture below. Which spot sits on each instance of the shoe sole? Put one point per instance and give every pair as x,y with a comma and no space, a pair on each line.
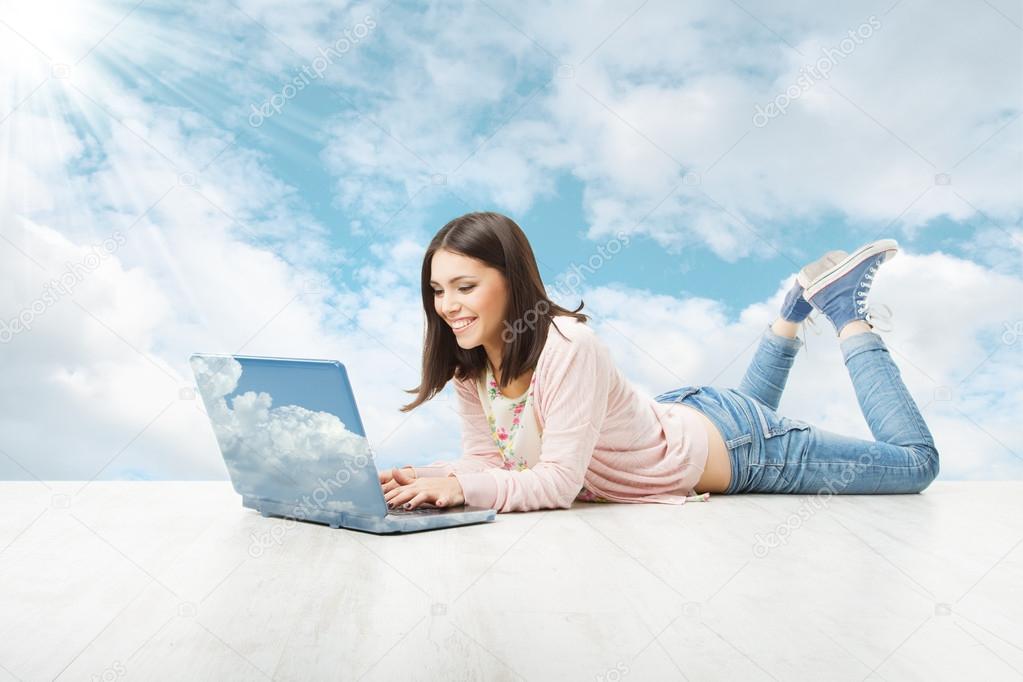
886,246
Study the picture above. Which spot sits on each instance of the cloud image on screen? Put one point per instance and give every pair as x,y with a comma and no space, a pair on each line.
286,453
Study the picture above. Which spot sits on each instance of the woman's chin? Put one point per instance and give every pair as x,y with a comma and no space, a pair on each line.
467,342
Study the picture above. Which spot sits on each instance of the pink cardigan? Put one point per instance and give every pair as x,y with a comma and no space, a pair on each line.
599,433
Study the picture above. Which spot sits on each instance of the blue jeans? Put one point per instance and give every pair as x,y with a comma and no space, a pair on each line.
775,454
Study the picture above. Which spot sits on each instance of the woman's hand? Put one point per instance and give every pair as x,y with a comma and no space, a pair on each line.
441,491
392,478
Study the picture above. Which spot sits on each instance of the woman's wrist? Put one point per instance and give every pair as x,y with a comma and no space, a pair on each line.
456,489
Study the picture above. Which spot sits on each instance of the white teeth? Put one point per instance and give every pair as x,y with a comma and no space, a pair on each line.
463,323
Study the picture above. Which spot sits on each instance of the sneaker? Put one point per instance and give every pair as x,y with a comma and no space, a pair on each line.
841,292
795,308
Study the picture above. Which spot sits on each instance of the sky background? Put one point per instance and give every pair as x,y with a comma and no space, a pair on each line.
162,166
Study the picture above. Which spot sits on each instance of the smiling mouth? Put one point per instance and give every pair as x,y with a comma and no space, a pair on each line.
462,326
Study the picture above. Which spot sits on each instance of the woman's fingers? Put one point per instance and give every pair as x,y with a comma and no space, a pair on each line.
422,498
399,498
416,492
409,495
400,495
403,476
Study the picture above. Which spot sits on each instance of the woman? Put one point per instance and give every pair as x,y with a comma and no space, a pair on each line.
547,418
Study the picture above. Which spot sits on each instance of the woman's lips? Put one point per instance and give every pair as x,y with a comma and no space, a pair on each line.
468,326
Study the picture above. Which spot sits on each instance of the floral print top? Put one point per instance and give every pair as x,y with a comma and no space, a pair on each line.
515,429
513,423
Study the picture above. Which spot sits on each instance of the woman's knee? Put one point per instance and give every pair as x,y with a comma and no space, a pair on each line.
929,465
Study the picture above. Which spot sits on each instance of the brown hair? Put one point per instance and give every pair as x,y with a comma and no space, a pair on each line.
497,241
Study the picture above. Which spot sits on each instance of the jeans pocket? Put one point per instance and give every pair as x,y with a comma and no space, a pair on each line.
773,424
678,395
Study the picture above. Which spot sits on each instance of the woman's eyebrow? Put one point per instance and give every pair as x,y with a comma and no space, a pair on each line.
455,279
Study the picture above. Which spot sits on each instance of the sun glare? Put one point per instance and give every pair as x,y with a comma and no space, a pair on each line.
58,32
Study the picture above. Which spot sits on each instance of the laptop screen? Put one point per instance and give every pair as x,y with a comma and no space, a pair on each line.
290,432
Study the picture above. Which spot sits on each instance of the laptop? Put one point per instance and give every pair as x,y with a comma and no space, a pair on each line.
294,445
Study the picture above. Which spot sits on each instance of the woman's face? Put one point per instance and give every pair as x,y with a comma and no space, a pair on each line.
466,290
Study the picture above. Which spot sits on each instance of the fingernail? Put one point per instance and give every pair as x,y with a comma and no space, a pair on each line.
408,505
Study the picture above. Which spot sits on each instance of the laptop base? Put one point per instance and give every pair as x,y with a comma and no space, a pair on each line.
389,524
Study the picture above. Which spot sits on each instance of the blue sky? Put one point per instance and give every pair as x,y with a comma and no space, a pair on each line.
300,233
556,225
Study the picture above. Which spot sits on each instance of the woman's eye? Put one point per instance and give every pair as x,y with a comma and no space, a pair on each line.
464,290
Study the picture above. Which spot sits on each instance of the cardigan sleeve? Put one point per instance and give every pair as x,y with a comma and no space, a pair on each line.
478,449
576,387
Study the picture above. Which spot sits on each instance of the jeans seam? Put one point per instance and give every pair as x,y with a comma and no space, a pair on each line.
846,463
763,420
908,405
733,462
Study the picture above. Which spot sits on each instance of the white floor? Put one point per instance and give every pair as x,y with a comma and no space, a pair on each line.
175,580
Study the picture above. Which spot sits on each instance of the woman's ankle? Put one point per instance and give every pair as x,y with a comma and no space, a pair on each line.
855,327
783,327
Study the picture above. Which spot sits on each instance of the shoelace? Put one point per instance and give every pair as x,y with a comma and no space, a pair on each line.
864,287
810,321
874,314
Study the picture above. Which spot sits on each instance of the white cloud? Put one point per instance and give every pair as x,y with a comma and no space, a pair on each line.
859,143
109,361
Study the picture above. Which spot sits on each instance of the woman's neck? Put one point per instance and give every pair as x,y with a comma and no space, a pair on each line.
494,357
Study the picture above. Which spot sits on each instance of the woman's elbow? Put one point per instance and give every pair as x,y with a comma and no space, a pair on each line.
566,501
